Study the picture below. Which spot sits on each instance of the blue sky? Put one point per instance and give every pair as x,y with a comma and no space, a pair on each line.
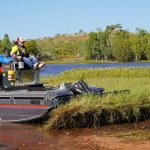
46,18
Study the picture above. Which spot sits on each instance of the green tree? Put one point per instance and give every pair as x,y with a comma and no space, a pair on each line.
121,46
98,46
92,46
114,27
141,32
81,31
136,47
31,46
147,51
143,42
5,44
102,37
107,50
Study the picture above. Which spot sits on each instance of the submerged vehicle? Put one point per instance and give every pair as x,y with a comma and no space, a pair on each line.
24,99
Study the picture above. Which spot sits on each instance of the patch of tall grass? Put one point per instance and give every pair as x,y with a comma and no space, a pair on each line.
90,110
93,74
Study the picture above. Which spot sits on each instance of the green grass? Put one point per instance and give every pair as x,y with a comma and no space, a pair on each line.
142,134
77,61
92,111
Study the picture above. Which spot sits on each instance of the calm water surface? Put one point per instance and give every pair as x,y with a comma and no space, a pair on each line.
53,69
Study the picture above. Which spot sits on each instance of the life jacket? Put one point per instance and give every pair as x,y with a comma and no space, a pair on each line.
22,51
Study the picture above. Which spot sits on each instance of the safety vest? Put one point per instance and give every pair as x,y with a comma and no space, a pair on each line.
19,51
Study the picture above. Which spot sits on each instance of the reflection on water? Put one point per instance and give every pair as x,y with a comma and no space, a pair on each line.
24,135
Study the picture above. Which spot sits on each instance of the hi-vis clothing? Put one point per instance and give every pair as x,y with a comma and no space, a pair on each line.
18,51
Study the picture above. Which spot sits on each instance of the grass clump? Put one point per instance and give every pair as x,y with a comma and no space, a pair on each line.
94,111
98,74
138,134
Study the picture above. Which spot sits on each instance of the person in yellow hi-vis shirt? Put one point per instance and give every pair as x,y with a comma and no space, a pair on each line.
19,52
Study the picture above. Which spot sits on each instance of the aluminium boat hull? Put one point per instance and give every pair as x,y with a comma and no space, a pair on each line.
23,113
30,106
34,103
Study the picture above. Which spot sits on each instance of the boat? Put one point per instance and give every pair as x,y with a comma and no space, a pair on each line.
23,98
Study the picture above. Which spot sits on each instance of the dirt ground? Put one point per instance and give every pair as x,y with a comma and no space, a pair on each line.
91,143
111,137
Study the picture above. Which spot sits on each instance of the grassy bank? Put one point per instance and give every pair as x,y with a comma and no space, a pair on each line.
77,61
81,61
93,111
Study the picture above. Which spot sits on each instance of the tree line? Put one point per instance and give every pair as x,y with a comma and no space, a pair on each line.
117,44
112,43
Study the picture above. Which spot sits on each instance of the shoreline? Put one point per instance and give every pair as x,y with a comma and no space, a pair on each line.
76,118
91,110
82,61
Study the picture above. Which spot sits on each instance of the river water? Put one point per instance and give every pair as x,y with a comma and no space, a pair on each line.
53,69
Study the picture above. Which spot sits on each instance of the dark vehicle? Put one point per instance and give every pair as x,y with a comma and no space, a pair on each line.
24,99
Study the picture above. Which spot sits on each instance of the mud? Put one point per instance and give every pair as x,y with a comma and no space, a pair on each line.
112,137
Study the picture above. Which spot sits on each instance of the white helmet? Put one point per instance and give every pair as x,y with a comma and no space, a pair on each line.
20,39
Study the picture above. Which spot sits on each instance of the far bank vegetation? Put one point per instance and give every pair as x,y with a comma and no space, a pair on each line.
111,44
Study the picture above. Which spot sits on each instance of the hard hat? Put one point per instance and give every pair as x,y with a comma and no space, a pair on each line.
20,39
